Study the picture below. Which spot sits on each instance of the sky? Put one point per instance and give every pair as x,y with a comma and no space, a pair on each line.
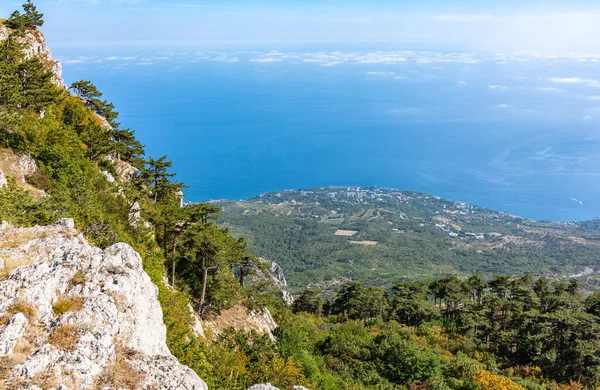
568,25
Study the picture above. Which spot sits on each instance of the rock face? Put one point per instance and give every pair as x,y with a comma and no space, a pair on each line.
240,317
269,386
18,166
35,46
81,317
266,386
275,273
125,171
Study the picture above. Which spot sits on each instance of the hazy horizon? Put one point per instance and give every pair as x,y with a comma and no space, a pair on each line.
483,25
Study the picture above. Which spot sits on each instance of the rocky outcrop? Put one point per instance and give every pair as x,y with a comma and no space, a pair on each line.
125,171
240,317
269,386
19,167
81,317
253,274
34,45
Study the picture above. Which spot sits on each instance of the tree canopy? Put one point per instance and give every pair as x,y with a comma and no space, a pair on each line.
29,18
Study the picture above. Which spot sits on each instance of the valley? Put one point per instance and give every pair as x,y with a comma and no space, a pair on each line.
381,236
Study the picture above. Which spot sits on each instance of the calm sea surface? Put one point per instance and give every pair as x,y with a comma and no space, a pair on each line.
515,133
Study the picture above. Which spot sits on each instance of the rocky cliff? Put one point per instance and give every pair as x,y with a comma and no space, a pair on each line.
76,316
20,167
34,45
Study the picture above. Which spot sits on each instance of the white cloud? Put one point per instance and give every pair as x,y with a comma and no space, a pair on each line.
381,73
501,106
73,61
462,18
588,118
566,80
381,59
225,58
333,63
550,89
498,87
266,60
145,63
575,80
577,201
462,83
594,97
592,83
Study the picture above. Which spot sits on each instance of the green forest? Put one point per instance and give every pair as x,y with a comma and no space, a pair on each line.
455,332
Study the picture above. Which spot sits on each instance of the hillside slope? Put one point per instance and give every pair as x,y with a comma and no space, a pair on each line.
324,237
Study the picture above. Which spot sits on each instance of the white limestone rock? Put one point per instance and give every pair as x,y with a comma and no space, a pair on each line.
242,318
266,386
109,178
16,165
269,386
3,180
12,332
120,311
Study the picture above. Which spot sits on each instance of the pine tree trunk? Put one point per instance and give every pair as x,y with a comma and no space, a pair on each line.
174,256
205,270
204,283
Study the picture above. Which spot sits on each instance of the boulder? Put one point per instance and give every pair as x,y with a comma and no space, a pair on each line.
85,315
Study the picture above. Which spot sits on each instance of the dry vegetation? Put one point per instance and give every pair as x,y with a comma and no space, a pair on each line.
65,304
19,306
120,373
78,279
16,238
65,337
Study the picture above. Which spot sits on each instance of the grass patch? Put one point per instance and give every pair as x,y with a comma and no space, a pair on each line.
20,237
65,337
66,304
20,306
10,265
120,374
79,278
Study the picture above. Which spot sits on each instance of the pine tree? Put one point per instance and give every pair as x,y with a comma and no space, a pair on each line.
157,176
127,146
98,142
309,301
36,85
34,18
31,18
86,90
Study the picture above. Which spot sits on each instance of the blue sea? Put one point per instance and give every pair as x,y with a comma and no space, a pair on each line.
515,132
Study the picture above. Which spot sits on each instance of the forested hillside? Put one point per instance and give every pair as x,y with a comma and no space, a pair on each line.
324,237
64,154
